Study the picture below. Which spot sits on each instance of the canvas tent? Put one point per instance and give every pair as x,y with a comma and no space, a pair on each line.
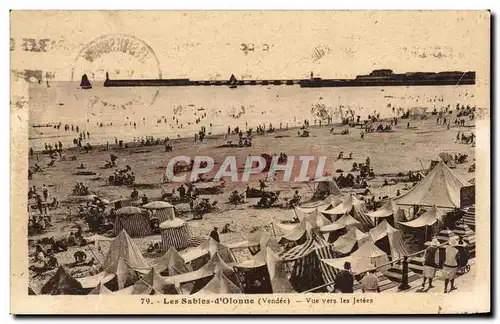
198,256
133,220
388,210
124,275
62,283
123,247
308,271
219,284
153,284
428,218
175,233
441,188
269,268
350,241
100,289
215,264
346,221
367,257
163,210
353,206
325,184
255,242
393,237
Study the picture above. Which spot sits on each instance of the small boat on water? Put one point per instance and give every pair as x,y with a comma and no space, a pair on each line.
232,82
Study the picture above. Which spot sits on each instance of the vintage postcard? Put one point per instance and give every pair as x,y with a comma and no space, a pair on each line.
250,162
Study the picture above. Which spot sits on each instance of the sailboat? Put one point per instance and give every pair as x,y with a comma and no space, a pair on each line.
85,83
232,82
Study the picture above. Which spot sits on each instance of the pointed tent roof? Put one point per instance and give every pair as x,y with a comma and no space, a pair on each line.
346,220
275,268
396,242
219,284
31,292
366,257
327,183
353,205
387,209
125,274
151,284
209,247
171,261
441,187
314,216
261,238
346,242
428,218
216,263
100,289
123,247
62,283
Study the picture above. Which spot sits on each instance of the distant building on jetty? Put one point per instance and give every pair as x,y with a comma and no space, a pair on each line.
377,78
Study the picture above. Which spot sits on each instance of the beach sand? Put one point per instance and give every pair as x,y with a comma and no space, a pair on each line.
402,150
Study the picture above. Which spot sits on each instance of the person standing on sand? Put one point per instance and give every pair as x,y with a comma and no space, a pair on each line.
45,192
408,125
362,134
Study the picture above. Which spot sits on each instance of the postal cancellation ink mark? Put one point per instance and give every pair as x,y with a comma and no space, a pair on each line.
118,56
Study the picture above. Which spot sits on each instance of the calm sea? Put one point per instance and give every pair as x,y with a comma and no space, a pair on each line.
173,111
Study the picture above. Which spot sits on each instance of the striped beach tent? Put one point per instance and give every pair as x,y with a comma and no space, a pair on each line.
175,233
162,210
133,220
308,270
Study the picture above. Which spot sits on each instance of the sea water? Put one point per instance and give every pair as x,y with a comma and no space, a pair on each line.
172,111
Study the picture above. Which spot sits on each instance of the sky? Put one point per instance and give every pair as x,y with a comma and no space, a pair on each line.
214,45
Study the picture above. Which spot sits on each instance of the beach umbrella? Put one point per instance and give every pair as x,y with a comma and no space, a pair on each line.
157,205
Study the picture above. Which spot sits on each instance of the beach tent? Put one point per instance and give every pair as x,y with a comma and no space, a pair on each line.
124,275
441,188
101,289
350,241
219,284
310,220
346,221
308,271
169,264
91,282
123,247
175,233
448,158
389,239
269,269
367,257
428,218
389,211
153,284
355,207
163,210
31,292
325,184
133,220
255,242
203,275
198,256
62,283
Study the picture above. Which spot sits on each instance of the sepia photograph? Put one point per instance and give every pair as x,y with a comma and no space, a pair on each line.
267,161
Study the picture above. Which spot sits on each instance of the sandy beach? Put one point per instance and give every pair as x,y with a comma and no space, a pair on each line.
401,150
